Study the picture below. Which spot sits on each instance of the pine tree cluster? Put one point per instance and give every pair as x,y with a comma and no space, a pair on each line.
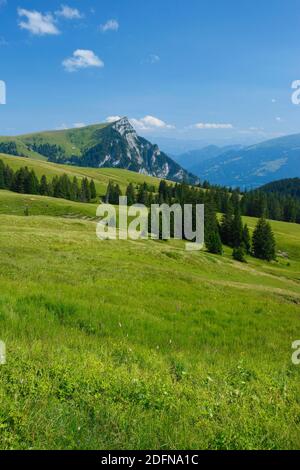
25,181
230,231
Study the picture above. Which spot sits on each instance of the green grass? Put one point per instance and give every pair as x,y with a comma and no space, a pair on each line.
73,141
22,148
101,176
137,345
16,204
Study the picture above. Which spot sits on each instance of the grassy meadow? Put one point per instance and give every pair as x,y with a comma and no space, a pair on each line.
138,345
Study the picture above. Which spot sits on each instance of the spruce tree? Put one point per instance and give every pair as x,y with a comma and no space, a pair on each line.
226,225
263,241
109,192
115,194
75,191
93,191
237,229
246,239
238,254
43,189
162,191
18,183
142,197
213,242
2,180
31,183
85,193
211,229
130,193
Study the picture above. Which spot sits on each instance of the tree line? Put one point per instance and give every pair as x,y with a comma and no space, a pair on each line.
257,203
275,201
229,231
26,181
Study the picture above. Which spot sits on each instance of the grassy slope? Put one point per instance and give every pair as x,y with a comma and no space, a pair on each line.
101,176
73,141
15,204
141,344
22,149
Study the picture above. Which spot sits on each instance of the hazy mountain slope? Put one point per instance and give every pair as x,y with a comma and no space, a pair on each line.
255,165
191,160
115,145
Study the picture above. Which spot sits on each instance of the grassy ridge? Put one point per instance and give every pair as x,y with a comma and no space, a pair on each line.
73,141
142,344
101,176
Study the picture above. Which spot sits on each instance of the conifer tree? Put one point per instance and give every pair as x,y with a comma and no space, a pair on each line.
31,183
226,226
237,229
212,236
238,254
130,193
2,180
142,197
93,191
109,192
75,191
246,239
263,241
85,194
44,189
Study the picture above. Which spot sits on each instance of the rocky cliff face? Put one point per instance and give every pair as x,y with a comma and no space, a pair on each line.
121,147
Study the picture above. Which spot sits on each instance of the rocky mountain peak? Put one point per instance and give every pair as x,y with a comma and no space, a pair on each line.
124,127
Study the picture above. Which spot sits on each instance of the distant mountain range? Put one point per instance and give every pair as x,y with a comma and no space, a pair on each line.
192,159
117,145
247,167
114,145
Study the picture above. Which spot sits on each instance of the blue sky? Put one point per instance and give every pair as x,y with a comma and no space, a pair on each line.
212,71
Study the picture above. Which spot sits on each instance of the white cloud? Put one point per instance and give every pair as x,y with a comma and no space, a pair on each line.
37,23
149,123
78,125
110,25
62,127
82,59
111,119
210,125
69,13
